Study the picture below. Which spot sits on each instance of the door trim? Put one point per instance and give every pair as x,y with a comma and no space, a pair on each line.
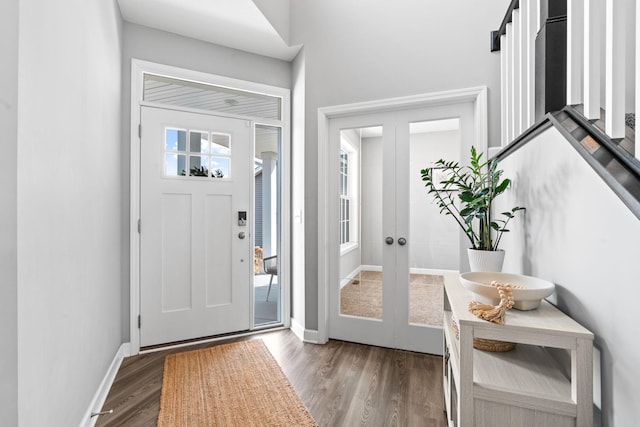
138,69
477,96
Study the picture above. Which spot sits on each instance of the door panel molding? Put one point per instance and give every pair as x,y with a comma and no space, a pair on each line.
327,237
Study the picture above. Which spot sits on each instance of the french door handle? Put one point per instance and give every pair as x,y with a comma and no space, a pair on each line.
402,241
389,240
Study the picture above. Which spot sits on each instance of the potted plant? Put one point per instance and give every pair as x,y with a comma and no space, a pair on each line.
466,193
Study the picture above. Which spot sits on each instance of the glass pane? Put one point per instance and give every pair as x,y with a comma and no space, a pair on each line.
220,144
199,166
199,142
165,90
267,292
220,167
360,188
434,237
175,139
175,164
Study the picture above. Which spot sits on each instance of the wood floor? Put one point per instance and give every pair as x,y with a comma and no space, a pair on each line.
341,383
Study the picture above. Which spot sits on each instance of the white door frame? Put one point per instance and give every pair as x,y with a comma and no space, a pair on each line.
138,69
477,96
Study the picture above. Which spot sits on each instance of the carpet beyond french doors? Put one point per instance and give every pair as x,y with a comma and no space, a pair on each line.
238,384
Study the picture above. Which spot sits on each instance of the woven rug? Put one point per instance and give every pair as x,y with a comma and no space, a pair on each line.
238,384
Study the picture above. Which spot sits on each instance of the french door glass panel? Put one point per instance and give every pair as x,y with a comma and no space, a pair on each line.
360,219
433,236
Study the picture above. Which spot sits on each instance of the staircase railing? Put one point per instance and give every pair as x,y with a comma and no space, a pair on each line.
596,64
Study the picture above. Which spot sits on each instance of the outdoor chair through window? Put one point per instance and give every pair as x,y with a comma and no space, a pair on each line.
270,266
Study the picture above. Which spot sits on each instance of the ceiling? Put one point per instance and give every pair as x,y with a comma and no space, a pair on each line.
256,26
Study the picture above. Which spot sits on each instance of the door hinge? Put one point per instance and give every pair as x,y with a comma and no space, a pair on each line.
140,130
139,321
139,226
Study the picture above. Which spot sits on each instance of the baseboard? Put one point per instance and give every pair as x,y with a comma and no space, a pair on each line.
344,282
103,390
437,272
311,336
297,329
304,335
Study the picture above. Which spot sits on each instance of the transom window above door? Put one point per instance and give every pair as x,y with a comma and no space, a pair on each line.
197,153
201,96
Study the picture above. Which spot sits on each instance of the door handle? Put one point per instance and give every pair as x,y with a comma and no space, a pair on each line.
389,240
241,235
402,241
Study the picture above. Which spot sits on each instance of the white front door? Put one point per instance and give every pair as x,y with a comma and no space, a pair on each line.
391,243
196,253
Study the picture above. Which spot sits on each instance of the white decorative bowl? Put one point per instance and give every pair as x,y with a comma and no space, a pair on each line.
528,298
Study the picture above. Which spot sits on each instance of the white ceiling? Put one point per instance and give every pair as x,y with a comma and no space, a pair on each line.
239,24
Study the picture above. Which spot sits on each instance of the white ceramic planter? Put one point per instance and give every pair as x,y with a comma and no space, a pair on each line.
485,260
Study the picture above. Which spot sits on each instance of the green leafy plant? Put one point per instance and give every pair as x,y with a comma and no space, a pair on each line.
466,193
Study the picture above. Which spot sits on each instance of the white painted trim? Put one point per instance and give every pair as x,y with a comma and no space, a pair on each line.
105,385
615,68
532,30
504,94
311,336
475,95
138,68
510,88
575,51
516,71
304,335
297,329
594,23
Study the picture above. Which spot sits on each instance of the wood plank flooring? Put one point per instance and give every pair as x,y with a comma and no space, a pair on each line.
341,383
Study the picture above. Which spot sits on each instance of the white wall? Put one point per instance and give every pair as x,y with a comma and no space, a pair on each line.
165,48
356,52
579,235
68,204
434,237
8,212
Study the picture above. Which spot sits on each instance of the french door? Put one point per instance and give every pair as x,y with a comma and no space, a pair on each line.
196,255
391,245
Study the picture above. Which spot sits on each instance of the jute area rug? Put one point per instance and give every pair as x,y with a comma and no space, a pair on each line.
238,384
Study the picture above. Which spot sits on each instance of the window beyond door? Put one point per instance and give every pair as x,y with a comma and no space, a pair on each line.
349,191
